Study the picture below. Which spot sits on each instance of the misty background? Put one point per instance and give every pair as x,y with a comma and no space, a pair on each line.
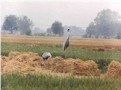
47,17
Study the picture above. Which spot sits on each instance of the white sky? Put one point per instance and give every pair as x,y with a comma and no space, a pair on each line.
70,12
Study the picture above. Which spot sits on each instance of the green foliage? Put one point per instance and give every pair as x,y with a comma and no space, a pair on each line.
10,23
22,24
25,25
49,82
103,64
57,28
90,30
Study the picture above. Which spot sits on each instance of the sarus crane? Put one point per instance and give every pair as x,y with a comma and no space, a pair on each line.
66,42
45,56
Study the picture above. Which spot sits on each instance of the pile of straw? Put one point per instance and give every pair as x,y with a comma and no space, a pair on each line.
22,62
72,66
114,69
28,62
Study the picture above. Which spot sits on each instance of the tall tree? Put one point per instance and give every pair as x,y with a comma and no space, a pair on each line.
57,28
119,32
107,24
90,30
10,23
25,25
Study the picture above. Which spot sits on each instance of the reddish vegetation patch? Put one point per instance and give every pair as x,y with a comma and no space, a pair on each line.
104,48
98,49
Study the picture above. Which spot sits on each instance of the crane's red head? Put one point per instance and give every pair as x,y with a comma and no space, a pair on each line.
68,30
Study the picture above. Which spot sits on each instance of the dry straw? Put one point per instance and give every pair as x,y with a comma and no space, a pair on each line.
73,66
21,62
114,69
28,62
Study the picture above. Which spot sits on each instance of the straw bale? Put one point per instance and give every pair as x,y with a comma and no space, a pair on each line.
87,68
114,69
73,66
22,62
13,66
27,57
56,64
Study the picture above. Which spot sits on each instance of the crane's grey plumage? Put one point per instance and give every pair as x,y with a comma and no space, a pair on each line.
46,55
66,42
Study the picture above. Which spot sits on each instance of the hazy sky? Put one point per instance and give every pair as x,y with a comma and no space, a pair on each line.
70,12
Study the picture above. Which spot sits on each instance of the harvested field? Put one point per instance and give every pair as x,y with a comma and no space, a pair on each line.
28,62
86,43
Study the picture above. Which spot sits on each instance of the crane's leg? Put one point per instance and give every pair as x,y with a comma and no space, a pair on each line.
64,53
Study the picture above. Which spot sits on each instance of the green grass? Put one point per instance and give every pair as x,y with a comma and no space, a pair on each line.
72,52
48,82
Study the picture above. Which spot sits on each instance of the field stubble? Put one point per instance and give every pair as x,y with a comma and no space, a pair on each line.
106,44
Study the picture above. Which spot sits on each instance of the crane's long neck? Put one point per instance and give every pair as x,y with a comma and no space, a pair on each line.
68,35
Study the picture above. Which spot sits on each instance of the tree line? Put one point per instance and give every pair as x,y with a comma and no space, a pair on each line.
22,24
107,24
25,25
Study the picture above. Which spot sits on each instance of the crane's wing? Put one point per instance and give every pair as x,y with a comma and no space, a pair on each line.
66,44
46,55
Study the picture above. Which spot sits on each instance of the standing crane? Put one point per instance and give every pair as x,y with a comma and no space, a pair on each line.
66,42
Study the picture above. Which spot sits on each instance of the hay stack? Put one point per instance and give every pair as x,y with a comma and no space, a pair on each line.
28,57
72,66
13,55
56,64
22,62
87,68
13,66
114,69
4,59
